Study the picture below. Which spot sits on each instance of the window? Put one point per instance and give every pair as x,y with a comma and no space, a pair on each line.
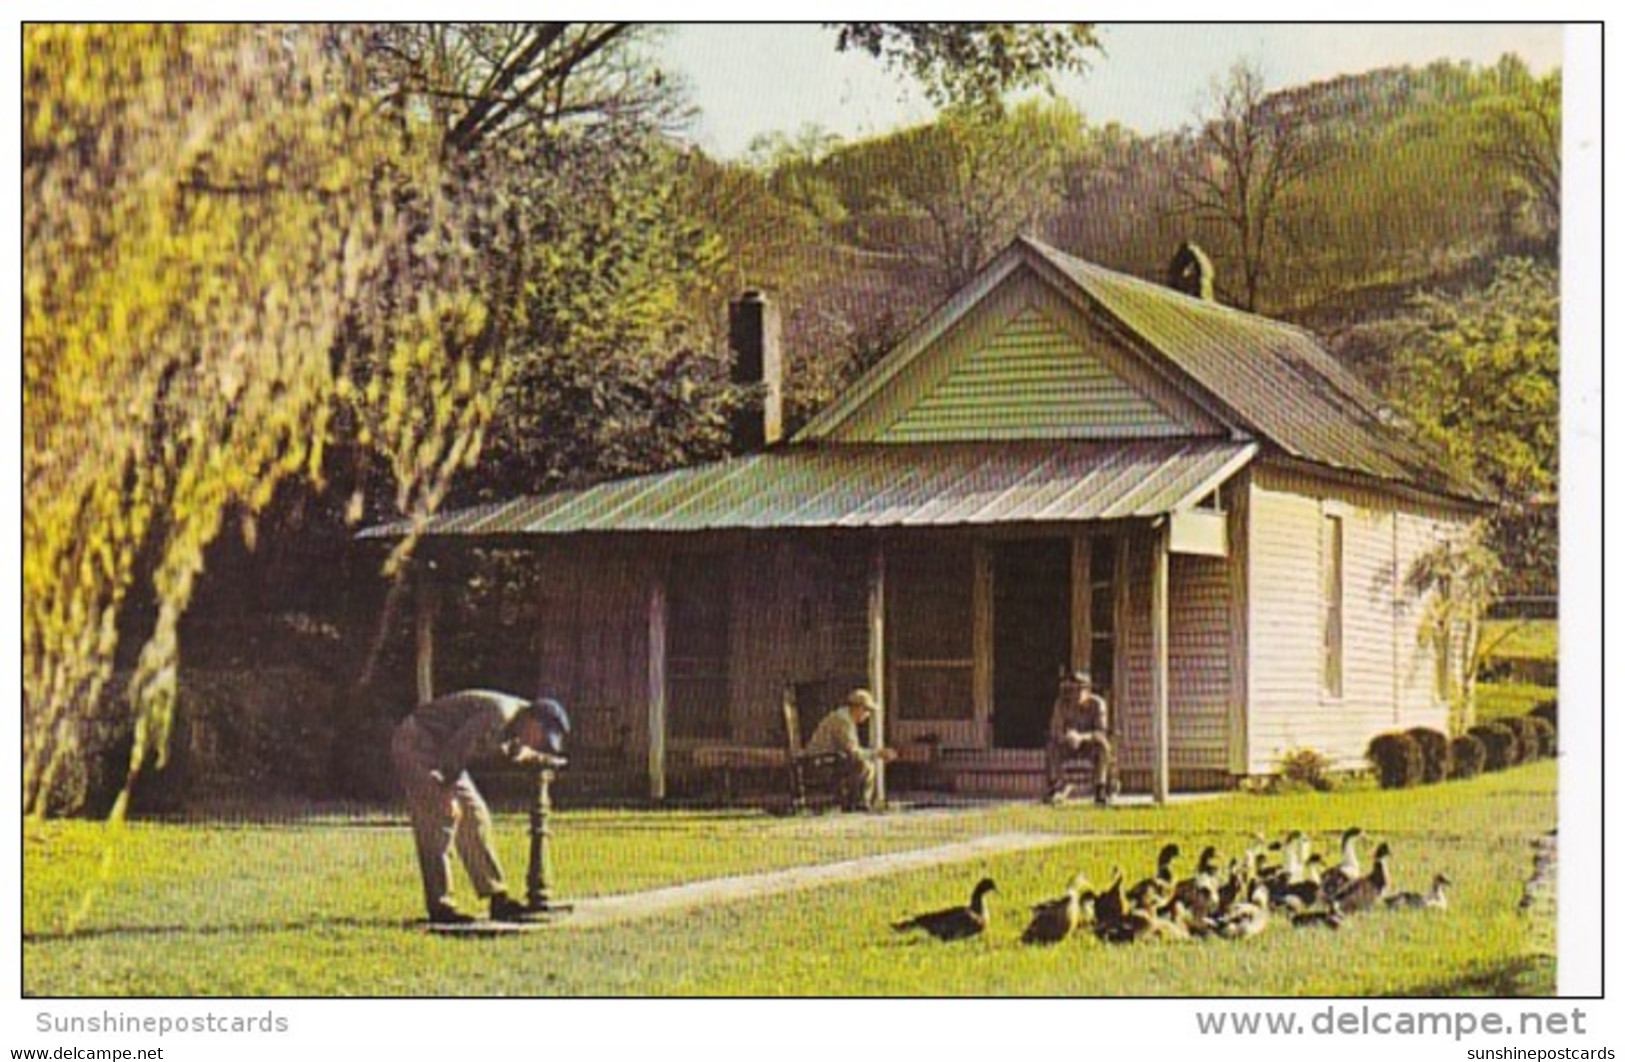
1331,566
931,632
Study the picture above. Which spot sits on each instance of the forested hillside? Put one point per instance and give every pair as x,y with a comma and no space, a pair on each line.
284,282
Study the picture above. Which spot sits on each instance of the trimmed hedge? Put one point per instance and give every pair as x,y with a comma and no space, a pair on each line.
1546,710
1500,745
1528,738
1435,748
1542,735
1397,758
1466,756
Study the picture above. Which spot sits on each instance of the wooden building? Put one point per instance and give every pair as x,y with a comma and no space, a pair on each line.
1062,466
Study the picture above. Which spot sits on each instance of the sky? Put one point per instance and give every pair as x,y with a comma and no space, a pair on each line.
747,80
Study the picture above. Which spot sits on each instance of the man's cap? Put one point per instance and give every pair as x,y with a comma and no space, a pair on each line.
1077,677
861,698
553,719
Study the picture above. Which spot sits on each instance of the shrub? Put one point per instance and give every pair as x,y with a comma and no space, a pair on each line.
1466,756
1302,769
1541,736
1500,745
1435,748
1523,727
1546,710
1397,758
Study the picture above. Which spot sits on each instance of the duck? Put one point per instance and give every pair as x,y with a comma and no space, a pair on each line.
1366,892
1055,920
1433,899
1324,918
954,923
1302,894
1200,892
1109,906
1144,923
1347,871
1158,889
1248,918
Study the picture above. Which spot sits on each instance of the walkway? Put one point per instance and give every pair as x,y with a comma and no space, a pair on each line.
626,907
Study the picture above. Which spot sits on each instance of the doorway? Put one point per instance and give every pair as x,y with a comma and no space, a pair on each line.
1032,637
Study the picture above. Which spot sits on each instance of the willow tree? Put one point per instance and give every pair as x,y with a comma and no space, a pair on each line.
211,215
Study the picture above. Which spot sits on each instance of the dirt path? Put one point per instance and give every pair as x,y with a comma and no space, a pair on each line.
626,907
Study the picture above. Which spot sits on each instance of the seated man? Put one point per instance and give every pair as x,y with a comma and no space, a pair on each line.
858,769
1079,729
432,749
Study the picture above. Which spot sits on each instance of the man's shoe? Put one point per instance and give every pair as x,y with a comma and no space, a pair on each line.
443,914
505,908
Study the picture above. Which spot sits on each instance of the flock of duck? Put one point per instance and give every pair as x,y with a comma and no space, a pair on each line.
1230,902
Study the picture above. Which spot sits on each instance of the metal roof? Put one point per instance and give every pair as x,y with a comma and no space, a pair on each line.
1265,378
1276,377
875,486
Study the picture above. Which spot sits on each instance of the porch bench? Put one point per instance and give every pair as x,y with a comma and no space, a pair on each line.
730,760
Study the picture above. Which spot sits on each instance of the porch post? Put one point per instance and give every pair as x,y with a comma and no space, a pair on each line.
657,685
425,593
1159,663
877,657
1082,635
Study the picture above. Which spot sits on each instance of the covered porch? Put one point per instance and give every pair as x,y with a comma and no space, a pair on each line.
956,590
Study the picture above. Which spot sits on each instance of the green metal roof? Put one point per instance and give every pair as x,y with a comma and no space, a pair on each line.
1265,378
1275,376
875,486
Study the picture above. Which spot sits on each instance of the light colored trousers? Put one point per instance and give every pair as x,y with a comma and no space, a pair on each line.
444,816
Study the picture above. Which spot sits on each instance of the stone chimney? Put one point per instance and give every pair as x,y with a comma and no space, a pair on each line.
753,336
1191,272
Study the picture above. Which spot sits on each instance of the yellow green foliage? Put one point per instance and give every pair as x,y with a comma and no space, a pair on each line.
205,209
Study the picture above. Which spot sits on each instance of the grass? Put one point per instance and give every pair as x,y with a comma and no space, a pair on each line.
1498,700
322,908
1512,641
1519,639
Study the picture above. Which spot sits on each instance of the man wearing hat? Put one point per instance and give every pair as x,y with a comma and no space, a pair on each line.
859,768
432,749
1079,728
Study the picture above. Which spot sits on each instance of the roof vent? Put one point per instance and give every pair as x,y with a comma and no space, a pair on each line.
1191,272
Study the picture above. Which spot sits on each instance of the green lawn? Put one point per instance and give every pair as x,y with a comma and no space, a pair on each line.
322,908
1521,639
1516,641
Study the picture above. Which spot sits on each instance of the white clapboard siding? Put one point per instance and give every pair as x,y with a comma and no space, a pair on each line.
1387,679
1284,602
1415,534
1198,662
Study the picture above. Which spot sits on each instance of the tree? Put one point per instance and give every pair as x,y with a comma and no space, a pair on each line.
974,181
1477,375
1519,131
1457,581
482,82
1249,158
212,212
973,64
